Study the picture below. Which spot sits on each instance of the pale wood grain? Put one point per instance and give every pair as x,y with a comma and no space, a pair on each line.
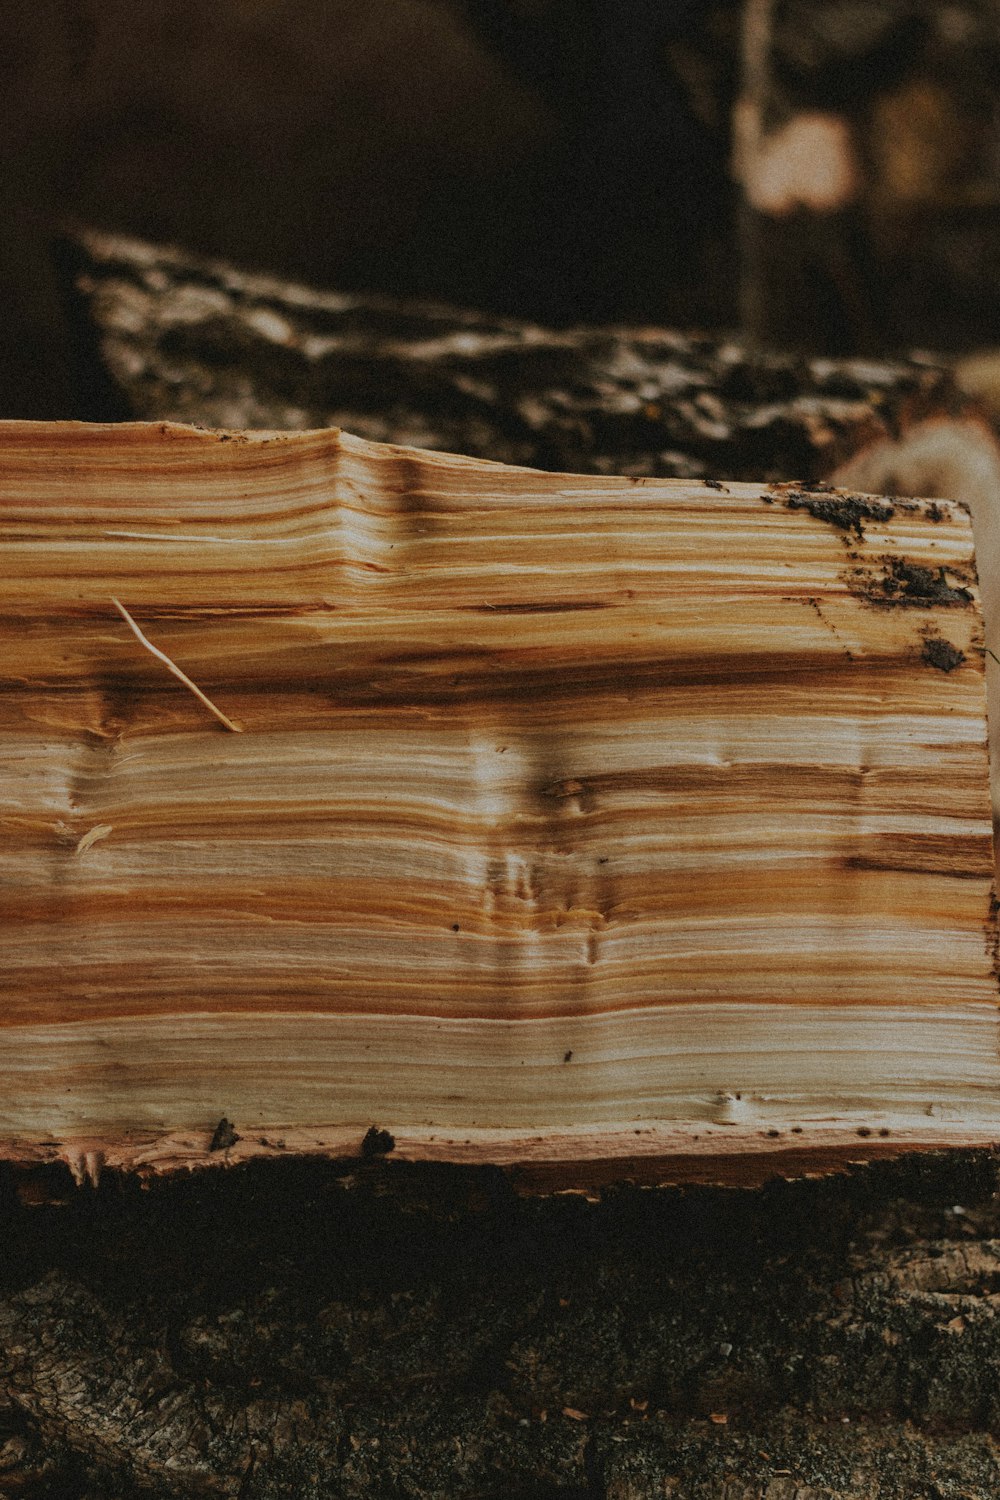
574,820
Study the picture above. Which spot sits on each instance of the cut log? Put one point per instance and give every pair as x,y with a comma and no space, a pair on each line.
193,340
597,828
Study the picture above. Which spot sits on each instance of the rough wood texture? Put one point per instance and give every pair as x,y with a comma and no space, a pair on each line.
597,828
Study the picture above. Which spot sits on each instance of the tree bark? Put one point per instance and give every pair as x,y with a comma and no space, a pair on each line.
192,340
273,1333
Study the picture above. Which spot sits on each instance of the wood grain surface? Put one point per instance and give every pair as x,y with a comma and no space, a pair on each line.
587,826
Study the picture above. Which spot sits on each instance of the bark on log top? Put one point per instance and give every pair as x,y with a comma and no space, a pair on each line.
599,827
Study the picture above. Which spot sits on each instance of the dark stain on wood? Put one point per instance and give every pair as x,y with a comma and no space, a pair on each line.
848,512
941,654
223,1136
540,607
377,1142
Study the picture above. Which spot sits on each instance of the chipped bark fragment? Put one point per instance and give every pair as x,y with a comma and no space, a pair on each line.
224,1136
942,654
899,582
922,587
377,1142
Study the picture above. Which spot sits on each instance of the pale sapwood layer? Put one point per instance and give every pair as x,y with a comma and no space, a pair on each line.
604,827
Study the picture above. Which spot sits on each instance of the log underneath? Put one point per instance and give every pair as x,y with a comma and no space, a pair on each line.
269,1334
594,828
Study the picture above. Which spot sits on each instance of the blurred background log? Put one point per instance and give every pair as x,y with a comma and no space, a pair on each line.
867,143
187,339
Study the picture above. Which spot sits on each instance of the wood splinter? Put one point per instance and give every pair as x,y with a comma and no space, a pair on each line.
173,667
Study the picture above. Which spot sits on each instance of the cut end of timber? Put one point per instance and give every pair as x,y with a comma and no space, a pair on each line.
594,829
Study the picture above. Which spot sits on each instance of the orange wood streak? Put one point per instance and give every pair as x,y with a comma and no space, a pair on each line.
581,759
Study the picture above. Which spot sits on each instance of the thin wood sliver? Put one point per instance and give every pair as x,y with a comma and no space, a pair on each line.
174,668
